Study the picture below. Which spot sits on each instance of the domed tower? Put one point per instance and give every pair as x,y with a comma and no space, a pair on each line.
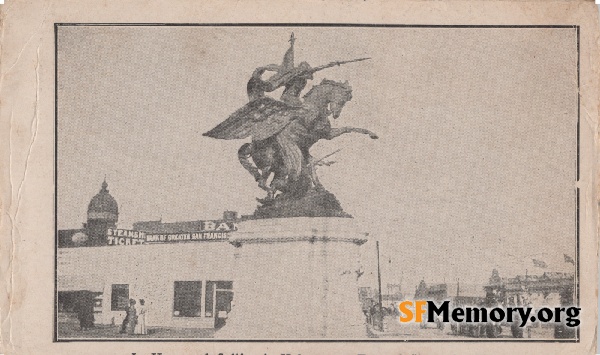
103,213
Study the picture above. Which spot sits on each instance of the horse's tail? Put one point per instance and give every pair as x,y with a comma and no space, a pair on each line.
244,154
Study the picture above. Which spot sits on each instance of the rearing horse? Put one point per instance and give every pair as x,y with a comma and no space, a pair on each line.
282,136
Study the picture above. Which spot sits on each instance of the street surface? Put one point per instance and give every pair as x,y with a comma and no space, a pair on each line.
394,329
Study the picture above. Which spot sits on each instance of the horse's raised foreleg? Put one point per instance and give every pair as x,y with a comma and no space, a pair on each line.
336,132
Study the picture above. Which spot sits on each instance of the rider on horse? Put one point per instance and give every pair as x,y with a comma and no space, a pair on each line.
294,79
283,130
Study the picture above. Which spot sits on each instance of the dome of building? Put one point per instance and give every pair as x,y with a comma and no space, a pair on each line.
103,206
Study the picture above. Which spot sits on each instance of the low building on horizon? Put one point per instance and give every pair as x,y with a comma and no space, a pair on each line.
181,269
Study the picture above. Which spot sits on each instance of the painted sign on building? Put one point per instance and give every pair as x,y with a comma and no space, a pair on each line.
210,231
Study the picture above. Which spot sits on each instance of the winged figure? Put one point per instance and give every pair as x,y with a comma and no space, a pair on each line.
283,131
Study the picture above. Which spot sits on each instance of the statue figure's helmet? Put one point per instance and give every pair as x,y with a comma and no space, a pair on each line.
305,67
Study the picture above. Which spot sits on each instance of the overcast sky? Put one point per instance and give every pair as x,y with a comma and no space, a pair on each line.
474,168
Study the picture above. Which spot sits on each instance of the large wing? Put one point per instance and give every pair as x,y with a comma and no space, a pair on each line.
260,119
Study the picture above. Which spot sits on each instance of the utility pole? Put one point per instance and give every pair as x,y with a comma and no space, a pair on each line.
380,298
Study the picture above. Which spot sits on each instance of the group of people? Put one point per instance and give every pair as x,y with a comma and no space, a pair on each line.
135,318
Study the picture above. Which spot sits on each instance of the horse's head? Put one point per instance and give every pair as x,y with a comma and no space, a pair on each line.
334,93
339,94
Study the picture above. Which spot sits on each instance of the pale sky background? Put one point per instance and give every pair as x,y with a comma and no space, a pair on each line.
474,168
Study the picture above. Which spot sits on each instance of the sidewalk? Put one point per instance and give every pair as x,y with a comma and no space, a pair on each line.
69,329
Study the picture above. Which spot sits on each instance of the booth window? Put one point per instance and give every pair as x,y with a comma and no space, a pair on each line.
187,298
119,297
216,288
224,285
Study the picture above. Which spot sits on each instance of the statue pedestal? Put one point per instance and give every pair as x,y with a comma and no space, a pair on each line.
296,278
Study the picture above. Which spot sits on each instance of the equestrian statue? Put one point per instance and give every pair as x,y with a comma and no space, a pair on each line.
282,133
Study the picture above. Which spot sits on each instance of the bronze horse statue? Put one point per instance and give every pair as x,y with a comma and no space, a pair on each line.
282,135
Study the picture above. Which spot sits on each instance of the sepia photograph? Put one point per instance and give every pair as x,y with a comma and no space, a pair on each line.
306,177
317,182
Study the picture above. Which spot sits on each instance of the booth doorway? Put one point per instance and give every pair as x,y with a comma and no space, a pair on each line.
223,300
219,295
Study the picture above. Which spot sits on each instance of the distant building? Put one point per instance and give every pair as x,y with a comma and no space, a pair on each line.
457,293
549,289
181,269
102,213
393,295
370,296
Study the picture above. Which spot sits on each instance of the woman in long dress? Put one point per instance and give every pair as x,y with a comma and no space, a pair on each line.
140,327
132,317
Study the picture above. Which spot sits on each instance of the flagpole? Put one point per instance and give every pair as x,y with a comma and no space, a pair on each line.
380,298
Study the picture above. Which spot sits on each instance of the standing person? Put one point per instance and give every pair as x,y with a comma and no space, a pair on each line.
366,308
130,318
142,310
